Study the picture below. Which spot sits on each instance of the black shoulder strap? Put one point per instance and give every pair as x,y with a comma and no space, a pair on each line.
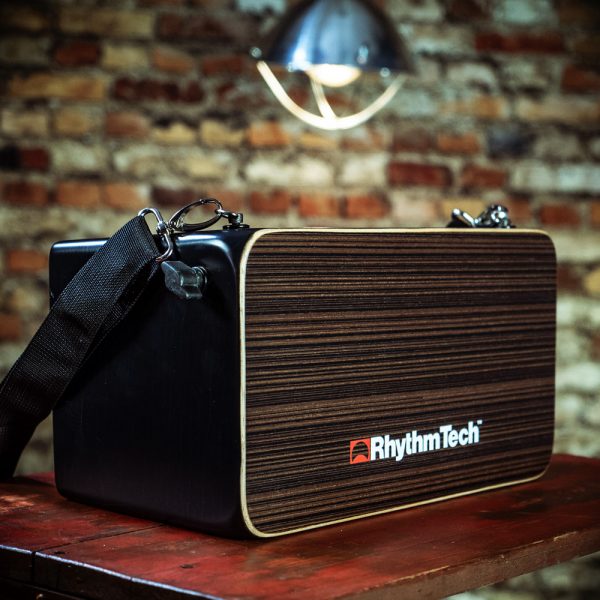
93,303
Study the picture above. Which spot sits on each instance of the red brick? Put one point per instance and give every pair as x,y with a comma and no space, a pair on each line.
77,53
519,210
318,205
409,173
127,124
458,143
467,10
301,96
567,279
170,25
192,27
559,215
80,194
224,64
343,101
595,213
366,206
145,89
172,60
124,196
588,46
416,139
267,134
11,327
26,261
192,92
580,79
34,159
547,43
578,12
153,89
25,192
475,177
178,197
275,202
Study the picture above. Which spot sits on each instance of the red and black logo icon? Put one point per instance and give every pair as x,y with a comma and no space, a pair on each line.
360,451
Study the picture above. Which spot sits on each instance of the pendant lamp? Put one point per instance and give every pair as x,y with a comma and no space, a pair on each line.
333,42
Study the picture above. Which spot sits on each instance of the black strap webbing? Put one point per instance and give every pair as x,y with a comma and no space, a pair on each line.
91,305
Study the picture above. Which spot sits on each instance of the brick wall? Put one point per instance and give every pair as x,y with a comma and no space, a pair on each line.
111,106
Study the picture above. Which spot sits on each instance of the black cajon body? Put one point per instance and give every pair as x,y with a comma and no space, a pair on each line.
324,376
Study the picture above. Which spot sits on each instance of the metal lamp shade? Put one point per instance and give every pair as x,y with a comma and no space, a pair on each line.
336,32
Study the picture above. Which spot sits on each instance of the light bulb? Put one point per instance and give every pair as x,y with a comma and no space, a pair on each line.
333,75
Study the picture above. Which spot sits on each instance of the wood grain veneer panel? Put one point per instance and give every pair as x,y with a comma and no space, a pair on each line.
350,335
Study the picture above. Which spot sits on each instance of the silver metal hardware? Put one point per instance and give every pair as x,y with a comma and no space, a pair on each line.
177,221
236,220
494,216
162,229
176,224
185,282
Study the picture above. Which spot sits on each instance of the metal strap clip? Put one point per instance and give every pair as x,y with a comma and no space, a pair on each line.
494,216
176,224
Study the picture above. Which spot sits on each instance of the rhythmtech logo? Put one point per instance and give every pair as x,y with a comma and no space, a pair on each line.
380,447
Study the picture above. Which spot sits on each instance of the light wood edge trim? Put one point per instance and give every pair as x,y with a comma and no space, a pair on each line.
262,534
242,296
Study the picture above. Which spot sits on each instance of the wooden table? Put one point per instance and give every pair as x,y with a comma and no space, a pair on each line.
51,548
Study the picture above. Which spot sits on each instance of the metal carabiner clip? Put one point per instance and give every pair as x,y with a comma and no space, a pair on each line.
177,224
162,229
177,221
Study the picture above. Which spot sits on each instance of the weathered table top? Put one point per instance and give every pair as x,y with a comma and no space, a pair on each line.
72,550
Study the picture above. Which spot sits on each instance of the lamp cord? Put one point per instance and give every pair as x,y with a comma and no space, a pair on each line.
322,102
328,119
